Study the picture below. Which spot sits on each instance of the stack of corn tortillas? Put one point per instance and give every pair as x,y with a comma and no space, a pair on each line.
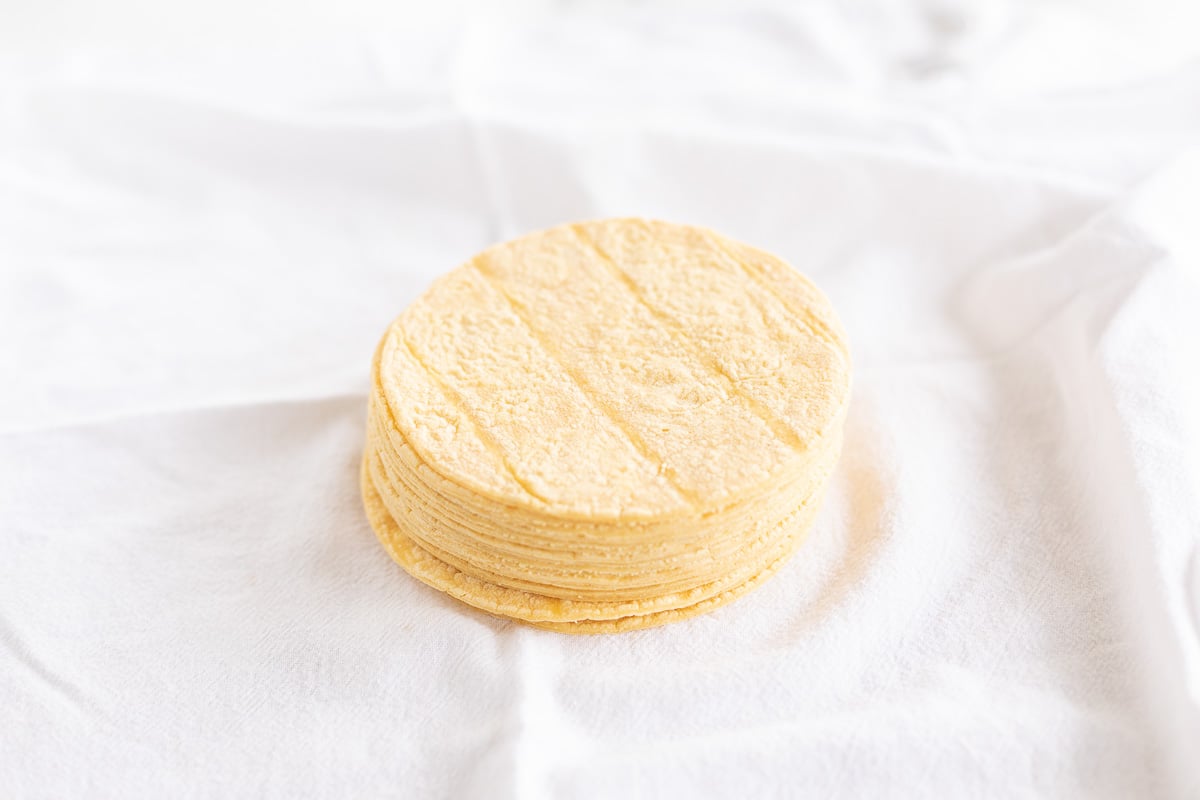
605,426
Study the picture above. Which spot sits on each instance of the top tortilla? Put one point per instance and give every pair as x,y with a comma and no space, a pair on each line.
617,369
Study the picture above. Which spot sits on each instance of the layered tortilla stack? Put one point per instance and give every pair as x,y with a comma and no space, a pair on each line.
605,426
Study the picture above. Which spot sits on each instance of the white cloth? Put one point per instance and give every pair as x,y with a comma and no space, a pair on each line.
198,252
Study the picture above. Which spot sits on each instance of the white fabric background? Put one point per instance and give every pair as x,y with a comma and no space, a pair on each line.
204,227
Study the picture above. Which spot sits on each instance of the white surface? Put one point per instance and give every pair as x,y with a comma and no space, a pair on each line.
199,245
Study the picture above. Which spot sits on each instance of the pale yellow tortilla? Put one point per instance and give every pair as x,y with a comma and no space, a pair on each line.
601,424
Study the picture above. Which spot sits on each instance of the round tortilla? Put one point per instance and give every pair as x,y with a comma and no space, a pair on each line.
606,425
